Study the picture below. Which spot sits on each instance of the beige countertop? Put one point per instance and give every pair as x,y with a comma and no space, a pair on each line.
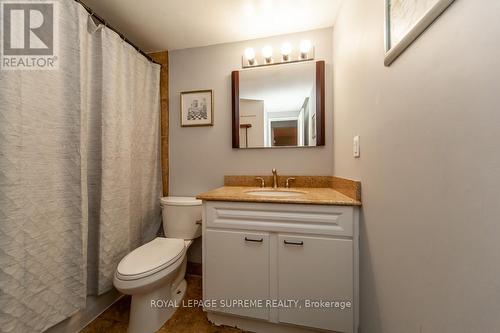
311,195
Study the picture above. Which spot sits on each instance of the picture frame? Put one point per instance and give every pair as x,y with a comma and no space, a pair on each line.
406,20
197,108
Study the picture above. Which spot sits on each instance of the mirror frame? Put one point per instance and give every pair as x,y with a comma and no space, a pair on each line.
320,107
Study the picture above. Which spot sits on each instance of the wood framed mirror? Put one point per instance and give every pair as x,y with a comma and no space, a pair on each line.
279,106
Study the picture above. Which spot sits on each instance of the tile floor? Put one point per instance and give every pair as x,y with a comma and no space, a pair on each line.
185,320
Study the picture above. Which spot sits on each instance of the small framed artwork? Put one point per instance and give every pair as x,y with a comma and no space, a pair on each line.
405,20
197,108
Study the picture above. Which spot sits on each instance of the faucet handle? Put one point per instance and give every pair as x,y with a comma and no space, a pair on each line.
288,180
262,181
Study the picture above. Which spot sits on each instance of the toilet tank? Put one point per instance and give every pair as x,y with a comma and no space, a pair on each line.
181,217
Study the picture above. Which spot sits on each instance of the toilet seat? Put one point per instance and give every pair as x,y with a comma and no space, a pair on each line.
151,258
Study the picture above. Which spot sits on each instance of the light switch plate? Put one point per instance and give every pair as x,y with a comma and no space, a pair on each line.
355,148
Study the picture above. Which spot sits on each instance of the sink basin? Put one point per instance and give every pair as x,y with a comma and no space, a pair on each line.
276,193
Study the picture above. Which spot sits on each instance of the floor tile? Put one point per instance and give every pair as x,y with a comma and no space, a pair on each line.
184,320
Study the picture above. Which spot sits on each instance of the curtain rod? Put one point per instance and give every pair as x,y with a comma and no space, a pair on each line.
103,21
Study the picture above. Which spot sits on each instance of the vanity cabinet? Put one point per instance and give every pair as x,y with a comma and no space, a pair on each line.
267,251
315,268
238,266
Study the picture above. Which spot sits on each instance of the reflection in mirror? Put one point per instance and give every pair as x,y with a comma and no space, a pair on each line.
277,106
284,133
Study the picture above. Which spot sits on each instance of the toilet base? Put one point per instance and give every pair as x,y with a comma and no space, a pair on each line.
148,312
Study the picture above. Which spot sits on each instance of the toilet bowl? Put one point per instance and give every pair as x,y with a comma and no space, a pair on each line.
153,274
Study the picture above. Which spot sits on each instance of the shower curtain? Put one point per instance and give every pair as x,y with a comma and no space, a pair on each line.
79,172
124,155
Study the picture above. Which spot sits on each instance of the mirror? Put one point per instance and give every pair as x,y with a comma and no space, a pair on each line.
279,106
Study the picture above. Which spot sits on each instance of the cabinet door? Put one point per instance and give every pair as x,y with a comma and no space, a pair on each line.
237,268
315,268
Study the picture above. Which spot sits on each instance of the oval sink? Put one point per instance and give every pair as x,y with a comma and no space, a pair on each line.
276,193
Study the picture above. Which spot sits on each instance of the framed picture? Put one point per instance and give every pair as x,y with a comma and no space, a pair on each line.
197,108
405,20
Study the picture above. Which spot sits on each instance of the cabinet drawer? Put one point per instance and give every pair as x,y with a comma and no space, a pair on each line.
316,268
237,268
304,219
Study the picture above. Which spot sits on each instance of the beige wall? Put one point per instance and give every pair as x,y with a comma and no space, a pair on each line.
201,156
429,166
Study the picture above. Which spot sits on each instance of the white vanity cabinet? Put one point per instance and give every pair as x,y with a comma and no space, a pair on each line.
238,265
267,251
318,269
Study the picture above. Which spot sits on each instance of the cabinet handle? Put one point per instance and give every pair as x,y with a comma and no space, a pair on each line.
198,221
293,243
254,240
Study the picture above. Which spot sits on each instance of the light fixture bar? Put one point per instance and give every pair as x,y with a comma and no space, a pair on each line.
288,54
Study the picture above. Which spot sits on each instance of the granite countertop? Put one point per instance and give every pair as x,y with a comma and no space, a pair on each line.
312,195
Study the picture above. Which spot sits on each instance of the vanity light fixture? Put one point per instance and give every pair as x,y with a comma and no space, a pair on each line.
267,53
286,50
305,48
288,54
250,56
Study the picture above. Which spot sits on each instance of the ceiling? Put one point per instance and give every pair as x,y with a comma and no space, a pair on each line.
156,25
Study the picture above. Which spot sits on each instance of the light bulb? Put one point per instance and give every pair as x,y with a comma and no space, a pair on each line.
305,47
267,53
286,49
250,55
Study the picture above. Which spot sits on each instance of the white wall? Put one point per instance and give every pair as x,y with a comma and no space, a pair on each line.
429,166
201,156
252,112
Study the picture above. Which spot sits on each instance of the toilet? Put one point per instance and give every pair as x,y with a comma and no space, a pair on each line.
153,274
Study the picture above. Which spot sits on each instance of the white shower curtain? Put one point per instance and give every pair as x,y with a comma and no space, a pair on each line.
124,155
42,197
79,172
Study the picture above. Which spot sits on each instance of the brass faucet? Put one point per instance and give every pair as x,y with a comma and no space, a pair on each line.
275,178
262,181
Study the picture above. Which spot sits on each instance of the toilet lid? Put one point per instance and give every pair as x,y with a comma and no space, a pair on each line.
151,257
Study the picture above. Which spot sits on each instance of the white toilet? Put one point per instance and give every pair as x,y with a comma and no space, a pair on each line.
155,271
